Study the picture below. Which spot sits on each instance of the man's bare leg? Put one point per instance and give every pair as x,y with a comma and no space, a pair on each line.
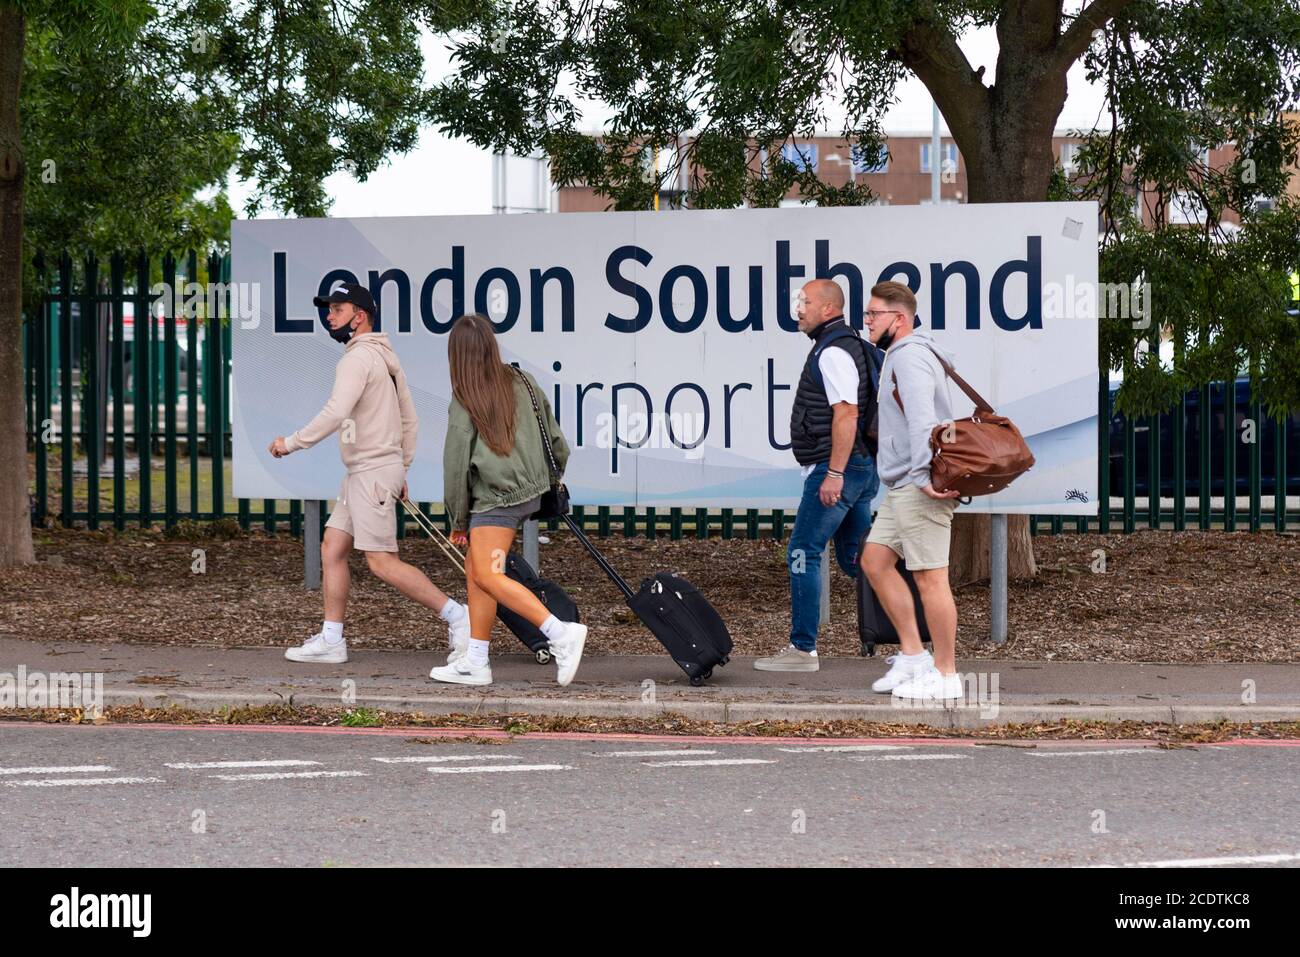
407,579
336,578
940,615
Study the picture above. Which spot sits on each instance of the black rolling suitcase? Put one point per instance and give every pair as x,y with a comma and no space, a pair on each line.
874,626
681,618
555,598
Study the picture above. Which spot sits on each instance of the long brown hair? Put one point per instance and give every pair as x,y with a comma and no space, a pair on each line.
481,382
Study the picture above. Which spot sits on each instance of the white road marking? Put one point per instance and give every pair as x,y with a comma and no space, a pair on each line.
915,757
284,775
501,767
705,764
654,754
64,782
441,758
1211,861
204,765
849,747
1080,753
70,769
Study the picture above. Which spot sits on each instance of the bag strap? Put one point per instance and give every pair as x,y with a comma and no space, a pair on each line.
980,404
551,465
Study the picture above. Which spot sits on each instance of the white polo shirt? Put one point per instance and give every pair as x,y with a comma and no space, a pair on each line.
840,379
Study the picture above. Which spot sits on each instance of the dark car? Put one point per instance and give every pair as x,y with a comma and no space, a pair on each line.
1265,436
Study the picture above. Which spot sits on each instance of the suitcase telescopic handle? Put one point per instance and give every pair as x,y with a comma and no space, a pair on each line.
604,564
434,532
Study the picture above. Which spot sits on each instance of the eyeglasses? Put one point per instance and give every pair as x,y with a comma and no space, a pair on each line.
872,314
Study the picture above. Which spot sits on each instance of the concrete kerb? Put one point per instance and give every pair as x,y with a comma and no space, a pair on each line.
723,712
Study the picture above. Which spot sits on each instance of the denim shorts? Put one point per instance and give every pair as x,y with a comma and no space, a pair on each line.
507,516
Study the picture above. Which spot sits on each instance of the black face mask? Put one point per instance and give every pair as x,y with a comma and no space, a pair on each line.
342,334
886,339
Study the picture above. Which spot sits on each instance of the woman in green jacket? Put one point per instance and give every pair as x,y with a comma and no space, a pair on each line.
494,473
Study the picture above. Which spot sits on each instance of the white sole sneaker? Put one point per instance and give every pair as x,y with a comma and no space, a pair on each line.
461,672
931,686
458,637
900,673
330,656
568,654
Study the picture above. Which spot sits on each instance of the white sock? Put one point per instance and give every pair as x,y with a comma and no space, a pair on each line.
919,655
452,611
552,628
478,652
333,631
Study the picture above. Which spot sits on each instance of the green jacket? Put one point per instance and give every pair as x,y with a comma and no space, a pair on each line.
476,479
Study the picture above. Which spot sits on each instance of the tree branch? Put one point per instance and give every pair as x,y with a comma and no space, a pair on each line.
930,50
1076,39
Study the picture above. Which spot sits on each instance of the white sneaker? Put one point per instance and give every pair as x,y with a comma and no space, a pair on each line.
462,672
932,686
902,668
458,634
317,649
567,651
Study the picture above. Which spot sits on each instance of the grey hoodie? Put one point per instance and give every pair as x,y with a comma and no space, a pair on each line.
384,424
904,454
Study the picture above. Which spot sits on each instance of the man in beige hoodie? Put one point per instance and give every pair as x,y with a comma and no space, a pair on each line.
372,410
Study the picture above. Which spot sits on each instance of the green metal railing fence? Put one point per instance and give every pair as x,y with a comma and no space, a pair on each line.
105,391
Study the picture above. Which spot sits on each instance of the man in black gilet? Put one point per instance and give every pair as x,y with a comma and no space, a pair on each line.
834,404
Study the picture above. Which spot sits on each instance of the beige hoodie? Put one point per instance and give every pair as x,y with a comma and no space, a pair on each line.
377,421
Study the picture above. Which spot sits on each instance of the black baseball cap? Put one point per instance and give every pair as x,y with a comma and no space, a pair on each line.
352,292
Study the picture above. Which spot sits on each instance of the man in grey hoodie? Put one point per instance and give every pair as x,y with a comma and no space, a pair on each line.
371,409
914,521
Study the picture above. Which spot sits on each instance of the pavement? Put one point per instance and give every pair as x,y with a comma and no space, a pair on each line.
999,691
151,795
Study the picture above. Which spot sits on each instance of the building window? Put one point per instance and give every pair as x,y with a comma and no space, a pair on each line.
864,161
802,155
1070,157
947,157
1184,208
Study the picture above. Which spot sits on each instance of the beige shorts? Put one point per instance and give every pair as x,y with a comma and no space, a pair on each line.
917,527
366,508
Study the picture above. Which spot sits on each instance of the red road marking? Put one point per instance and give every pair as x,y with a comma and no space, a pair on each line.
495,733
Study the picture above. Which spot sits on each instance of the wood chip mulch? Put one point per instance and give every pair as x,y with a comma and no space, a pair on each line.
1162,596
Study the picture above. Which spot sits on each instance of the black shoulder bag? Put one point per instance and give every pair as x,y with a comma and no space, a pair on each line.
555,501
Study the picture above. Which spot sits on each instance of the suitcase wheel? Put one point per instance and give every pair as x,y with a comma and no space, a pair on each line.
697,680
868,649
708,674
542,656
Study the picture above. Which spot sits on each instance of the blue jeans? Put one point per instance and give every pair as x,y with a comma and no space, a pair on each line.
845,523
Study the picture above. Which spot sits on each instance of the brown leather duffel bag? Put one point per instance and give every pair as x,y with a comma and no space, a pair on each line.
977,455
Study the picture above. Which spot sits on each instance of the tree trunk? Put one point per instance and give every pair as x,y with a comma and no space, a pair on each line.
968,559
15,511
1011,162
1004,132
